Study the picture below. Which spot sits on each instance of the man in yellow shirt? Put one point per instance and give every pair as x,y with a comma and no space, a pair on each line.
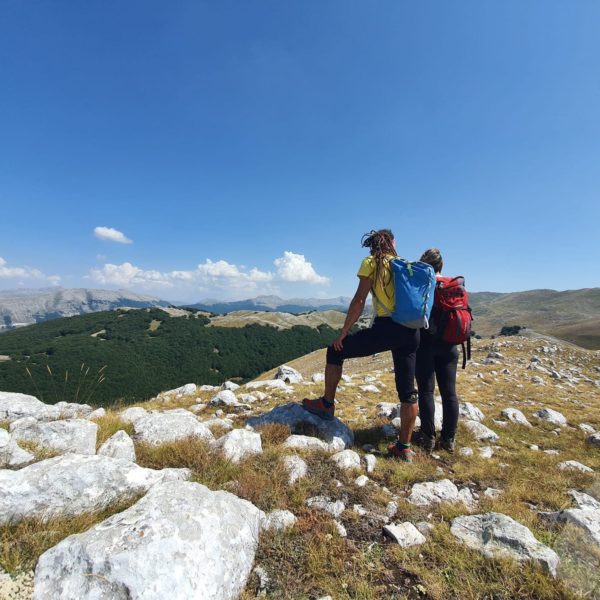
375,276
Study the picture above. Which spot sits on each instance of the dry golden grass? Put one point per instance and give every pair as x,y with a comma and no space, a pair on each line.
40,452
22,544
109,425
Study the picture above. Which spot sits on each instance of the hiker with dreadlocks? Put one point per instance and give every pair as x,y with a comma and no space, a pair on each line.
375,276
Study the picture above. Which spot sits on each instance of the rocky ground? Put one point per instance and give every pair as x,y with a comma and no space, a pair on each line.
235,492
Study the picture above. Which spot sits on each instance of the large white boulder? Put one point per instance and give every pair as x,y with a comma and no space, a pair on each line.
180,541
551,416
514,415
118,445
130,415
70,435
15,406
74,484
289,374
72,410
184,390
238,444
481,432
229,385
497,536
162,427
11,455
294,416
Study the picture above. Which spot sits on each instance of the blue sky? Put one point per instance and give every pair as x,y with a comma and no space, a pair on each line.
245,147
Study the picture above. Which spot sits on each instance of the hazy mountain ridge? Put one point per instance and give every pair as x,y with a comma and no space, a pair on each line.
25,307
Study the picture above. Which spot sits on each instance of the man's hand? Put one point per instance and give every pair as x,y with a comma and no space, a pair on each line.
338,342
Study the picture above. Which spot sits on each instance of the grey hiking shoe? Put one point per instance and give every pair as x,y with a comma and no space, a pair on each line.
426,443
447,444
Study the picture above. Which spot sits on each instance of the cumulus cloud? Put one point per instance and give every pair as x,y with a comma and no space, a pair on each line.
126,275
295,268
109,234
223,271
25,272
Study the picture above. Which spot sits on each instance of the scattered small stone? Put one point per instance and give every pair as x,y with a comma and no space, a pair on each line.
514,415
480,431
594,439
289,375
238,444
486,452
470,411
119,445
370,462
404,534
278,520
574,465
334,508
346,460
373,389
466,451
424,527
586,428
492,493
340,529
296,468
551,416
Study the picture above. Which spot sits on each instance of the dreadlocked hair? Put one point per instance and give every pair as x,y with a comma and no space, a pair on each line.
381,245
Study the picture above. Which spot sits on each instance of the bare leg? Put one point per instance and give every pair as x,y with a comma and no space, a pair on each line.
333,374
408,416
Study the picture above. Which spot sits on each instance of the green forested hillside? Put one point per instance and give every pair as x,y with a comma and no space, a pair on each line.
144,351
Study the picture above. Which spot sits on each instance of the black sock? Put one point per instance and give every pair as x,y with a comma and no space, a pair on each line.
328,403
402,446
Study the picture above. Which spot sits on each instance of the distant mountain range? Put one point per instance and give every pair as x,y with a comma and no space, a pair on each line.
572,315
273,304
24,307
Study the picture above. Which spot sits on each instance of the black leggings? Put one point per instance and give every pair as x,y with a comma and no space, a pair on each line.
437,360
385,334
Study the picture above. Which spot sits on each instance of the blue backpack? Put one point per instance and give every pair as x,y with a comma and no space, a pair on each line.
414,284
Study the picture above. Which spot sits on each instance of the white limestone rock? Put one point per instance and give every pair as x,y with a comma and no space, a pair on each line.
486,452
73,484
248,398
278,520
574,465
404,534
361,481
305,442
224,398
514,415
466,451
470,411
318,377
70,435
586,428
225,424
271,384
492,493
130,415
162,427
97,414
584,500
296,468
294,416
498,536
184,390
11,455
289,374
346,460
72,410
370,388
334,508
436,492
370,462
229,385
181,540
388,409
15,406
481,432
208,388
119,445
238,444
551,416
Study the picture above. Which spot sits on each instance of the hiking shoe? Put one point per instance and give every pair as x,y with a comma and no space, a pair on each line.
318,407
403,454
447,444
423,441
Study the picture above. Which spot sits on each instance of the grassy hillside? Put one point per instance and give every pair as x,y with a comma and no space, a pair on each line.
142,352
572,315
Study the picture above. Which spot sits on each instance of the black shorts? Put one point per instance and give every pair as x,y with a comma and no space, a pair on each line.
384,335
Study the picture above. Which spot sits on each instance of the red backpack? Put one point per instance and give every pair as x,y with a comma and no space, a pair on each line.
452,314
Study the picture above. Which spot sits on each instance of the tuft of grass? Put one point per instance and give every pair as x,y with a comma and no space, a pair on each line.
4,425
109,425
273,434
23,543
40,452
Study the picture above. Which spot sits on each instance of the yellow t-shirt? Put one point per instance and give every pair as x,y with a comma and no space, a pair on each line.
384,294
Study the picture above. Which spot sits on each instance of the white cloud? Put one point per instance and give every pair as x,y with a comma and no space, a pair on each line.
109,234
25,272
295,268
222,271
126,275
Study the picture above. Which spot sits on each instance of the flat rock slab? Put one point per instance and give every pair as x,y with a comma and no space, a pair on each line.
405,534
180,541
514,415
436,492
74,484
498,536
70,435
551,416
574,465
586,519
160,428
294,416
15,406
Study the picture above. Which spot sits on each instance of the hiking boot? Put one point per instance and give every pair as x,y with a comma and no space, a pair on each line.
447,444
318,407
423,441
403,454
